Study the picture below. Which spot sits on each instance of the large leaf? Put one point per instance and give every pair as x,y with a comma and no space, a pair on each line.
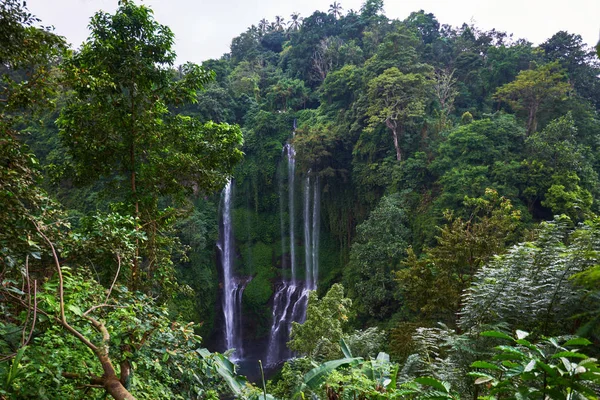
496,334
226,369
484,364
577,342
345,348
434,383
570,354
316,376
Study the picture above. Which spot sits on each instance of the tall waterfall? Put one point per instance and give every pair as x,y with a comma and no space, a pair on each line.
312,216
291,157
233,288
291,296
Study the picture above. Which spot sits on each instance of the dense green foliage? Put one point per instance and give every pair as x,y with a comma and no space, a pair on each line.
458,179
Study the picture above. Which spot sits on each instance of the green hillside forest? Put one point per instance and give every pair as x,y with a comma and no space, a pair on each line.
343,206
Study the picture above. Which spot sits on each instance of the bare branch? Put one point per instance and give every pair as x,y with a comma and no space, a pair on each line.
116,276
61,294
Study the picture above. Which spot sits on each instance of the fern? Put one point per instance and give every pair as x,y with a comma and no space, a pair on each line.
530,286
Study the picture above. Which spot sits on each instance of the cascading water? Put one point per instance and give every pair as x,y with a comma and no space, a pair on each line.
291,296
233,288
291,156
316,227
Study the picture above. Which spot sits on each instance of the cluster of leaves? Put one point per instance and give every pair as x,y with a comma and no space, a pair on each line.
553,368
538,275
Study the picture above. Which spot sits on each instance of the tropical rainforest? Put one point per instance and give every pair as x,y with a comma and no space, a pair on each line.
457,217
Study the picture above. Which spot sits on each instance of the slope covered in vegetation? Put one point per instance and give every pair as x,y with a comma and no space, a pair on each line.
458,234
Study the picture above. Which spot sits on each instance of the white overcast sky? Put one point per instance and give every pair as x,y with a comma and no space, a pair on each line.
204,28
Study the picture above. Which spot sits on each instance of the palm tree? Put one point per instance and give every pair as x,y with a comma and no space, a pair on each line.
295,22
335,9
278,23
263,24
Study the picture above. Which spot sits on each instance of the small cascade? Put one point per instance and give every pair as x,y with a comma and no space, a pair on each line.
233,288
291,296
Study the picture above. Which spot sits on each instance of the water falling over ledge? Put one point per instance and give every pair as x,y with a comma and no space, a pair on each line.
233,287
291,295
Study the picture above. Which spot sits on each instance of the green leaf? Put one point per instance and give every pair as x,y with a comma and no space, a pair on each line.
316,376
547,368
434,383
509,352
496,334
485,365
75,310
345,348
570,354
578,342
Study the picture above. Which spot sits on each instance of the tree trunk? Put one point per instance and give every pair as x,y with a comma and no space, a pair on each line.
135,266
397,145
393,125
532,119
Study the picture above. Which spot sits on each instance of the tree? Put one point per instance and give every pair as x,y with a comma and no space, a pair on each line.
118,127
396,99
325,58
335,9
295,21
558,171
28,55
477,155
433,284
532,90
444,87
287,94
320,333
28,58
531,287
263,25
278,23
579,63
380,244
371,9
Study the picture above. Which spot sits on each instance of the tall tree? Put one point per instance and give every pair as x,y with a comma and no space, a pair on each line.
532,90
380,244
320,334
263,25
295,21
279,23
395,99
118,127
335,9
433,285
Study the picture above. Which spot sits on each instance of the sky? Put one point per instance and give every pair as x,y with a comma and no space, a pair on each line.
204,29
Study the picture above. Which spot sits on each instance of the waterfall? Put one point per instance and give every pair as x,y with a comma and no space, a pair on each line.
291,155
233,288
316,226
307,236
291,296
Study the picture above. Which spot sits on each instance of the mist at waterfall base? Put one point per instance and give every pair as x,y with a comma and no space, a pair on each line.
290,298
